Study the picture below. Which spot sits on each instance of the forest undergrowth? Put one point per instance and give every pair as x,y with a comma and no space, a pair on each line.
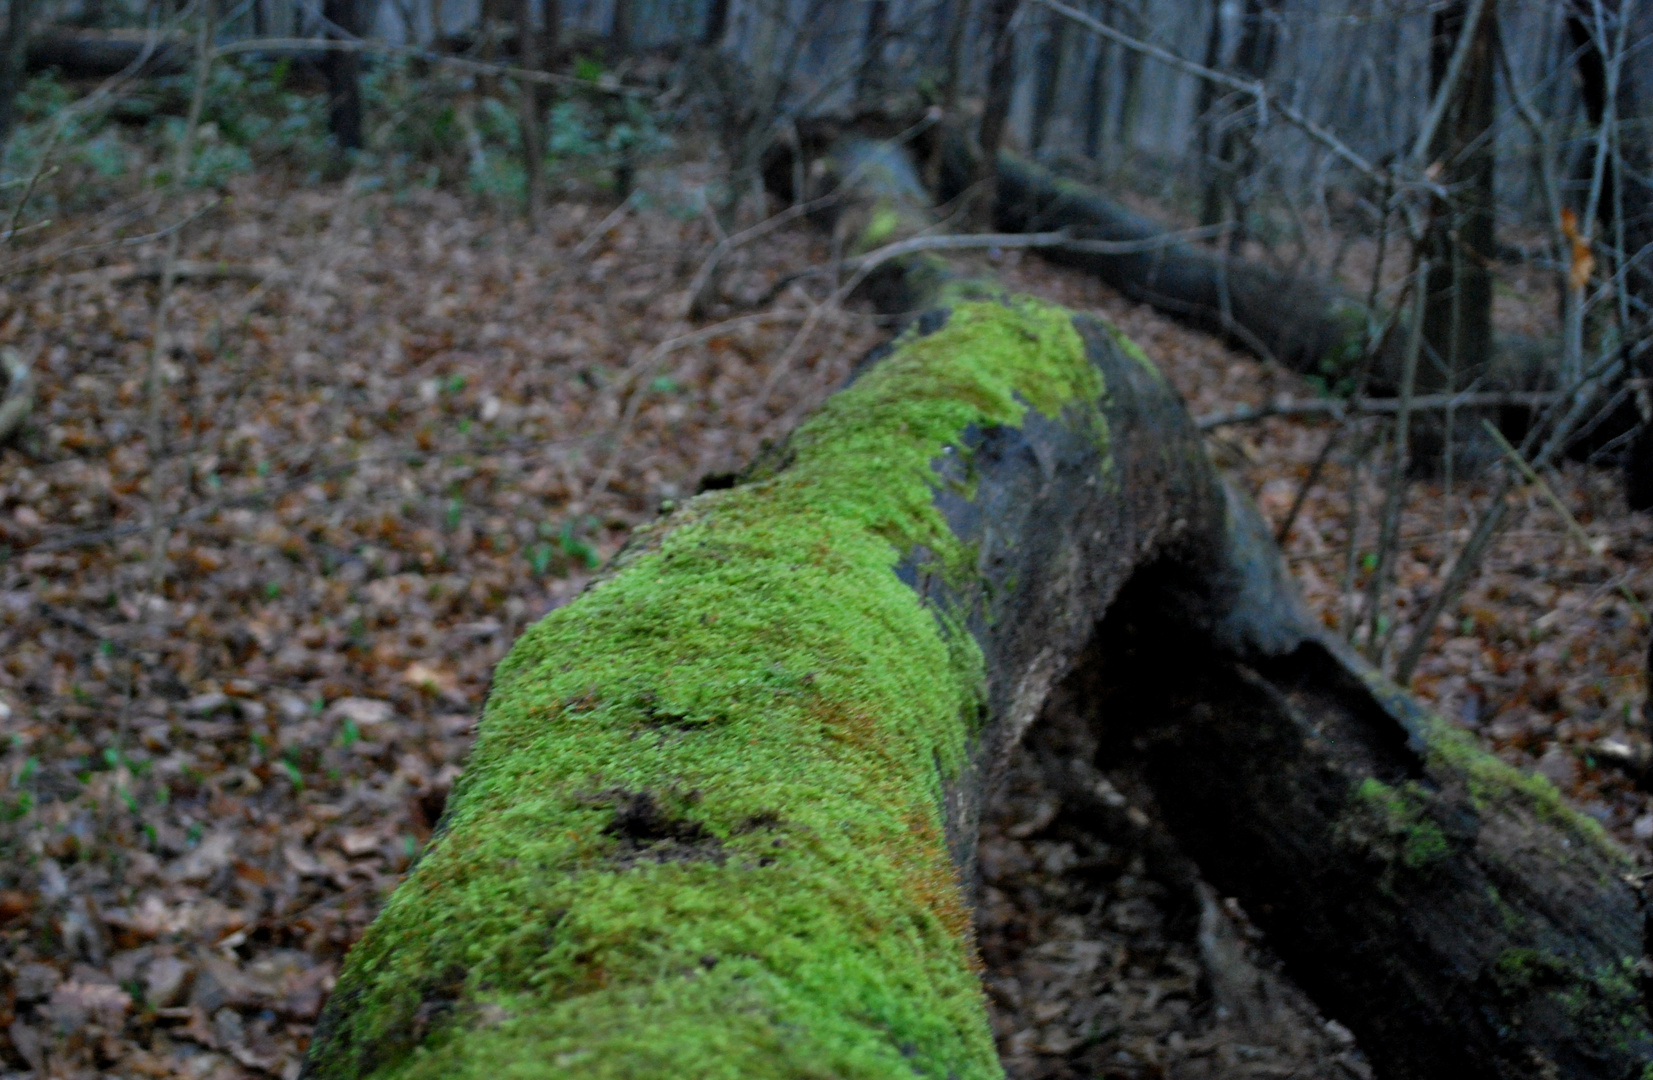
396,429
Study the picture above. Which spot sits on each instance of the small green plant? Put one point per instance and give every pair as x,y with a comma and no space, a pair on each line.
577,549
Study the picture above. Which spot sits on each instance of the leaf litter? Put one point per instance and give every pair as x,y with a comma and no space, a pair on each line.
397,430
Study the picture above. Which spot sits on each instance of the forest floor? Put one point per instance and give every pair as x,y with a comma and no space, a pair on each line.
395,430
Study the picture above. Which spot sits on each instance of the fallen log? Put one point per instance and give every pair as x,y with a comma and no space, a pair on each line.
100,53
1304,325
721,813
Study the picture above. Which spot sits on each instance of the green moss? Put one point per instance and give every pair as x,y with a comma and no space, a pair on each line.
701,832
885,220
1134,351
1492,781
1405,832
1517,971
1607,1005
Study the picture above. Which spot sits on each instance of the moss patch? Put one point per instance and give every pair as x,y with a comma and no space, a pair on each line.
1493,781
1405,833
700,833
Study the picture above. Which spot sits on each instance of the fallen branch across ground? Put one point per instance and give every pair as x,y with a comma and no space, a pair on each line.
1341,407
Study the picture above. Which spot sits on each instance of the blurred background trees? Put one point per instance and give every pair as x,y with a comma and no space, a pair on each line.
1494,154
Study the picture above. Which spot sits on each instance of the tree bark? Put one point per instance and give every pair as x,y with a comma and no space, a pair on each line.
952,64
19,16
870,79
1459,242
343,71
535,45
721,814
1001,83
620,32
717,22
1048,78
1230,146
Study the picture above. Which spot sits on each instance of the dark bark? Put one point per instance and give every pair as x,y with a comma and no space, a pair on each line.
952,63
535,44
1048,78
1001,83
1626,206
343,72
717,22
1459,242
13,54
1448,910
1303,324
1230,148
870,79
620,30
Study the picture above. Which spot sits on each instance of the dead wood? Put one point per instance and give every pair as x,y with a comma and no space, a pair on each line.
610,893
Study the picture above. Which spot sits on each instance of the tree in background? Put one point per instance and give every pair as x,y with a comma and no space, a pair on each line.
1459,241
343,72
12,55
1001,83
1227,126
1052,51
537,44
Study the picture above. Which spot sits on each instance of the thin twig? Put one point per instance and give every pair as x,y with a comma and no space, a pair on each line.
163,302
1395,498
1283,533
1548,492
1338,408
595,236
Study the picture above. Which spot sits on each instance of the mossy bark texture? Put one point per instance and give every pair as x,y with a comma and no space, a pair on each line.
714,821
720,817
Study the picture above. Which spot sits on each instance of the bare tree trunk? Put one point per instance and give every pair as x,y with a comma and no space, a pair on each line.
1459,241
536,45
1208,126
19,15
1625,211
717,23
1231,155
1097,100
870,78
343,73
952,64
1001,83
438,31
1049,77
620,30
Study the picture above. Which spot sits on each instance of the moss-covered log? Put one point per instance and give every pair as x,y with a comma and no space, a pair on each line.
720,816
